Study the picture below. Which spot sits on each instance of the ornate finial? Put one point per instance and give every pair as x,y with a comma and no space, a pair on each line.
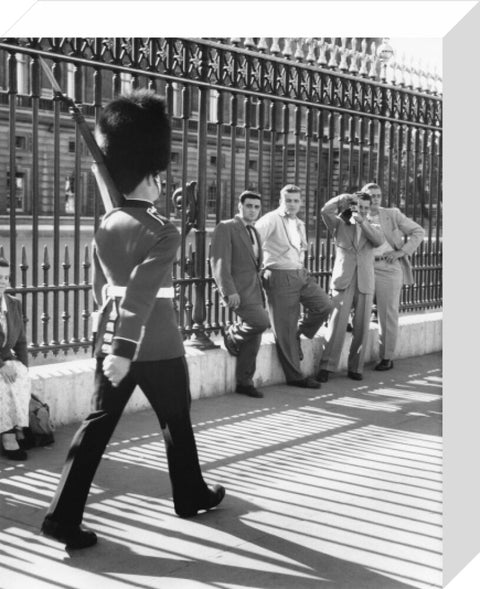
395,70
373,61
353,57
236,40
287,49
311,44
411,70
262,44
363,59
343,55
249,43
333,54
353,62
299,54
402,66
322,52
429,79
275,48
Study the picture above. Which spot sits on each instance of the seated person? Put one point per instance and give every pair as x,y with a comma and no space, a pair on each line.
15,384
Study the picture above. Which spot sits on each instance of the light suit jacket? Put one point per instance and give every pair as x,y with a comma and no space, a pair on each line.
396,226
234,266
350,255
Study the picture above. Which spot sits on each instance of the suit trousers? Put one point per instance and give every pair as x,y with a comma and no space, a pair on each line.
165,384
247,335
286,291
343,302
388,287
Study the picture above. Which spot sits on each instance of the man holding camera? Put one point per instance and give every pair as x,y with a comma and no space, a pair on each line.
353,280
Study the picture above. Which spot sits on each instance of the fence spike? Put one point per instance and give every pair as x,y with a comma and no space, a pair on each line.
287,48
333,54
299,53
343,55
311,43
46,261
66,258
262,44
322,52
275,48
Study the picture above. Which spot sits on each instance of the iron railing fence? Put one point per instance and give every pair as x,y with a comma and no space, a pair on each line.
246,113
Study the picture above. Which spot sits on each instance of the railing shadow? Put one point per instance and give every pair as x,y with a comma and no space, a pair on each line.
337,488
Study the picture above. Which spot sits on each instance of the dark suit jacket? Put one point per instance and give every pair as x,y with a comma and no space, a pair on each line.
233,262
15,348
350,255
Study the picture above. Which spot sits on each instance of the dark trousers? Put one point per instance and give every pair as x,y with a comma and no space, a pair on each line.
166,386
247,334
286,291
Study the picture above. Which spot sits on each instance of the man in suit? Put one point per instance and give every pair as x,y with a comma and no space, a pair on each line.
288,284
139,343
392,269
352,280
236,258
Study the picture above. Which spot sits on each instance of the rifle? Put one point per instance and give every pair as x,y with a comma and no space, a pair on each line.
111,197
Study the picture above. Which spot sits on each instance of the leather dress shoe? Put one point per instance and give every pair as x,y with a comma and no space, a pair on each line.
384,364
17,454
214,497
73,537
230,344
354,375
305,383
248,390
323,375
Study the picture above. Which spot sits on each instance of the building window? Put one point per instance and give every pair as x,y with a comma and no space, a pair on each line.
71,146
253,165
175,157
212,198
20,191
21,142
213,160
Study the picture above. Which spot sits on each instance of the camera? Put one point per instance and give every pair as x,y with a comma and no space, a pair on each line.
347,213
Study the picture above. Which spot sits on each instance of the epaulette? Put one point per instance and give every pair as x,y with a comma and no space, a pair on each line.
153,212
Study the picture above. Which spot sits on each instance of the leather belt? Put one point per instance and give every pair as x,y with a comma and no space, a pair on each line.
165,292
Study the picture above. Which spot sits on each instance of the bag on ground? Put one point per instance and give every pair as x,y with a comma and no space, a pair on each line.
40,425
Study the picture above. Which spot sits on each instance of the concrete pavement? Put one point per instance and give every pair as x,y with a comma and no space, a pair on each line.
338,488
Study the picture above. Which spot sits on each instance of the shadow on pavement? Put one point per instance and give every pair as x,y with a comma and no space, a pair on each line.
339,487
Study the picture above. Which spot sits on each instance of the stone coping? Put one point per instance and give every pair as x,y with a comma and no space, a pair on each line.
67,386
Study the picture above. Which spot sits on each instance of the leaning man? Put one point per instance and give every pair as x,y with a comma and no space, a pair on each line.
236,259
289,285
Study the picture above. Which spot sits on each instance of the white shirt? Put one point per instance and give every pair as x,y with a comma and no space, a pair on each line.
385,247
293,233
3,315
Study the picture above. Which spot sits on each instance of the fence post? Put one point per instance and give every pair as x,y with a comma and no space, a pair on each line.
199,338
